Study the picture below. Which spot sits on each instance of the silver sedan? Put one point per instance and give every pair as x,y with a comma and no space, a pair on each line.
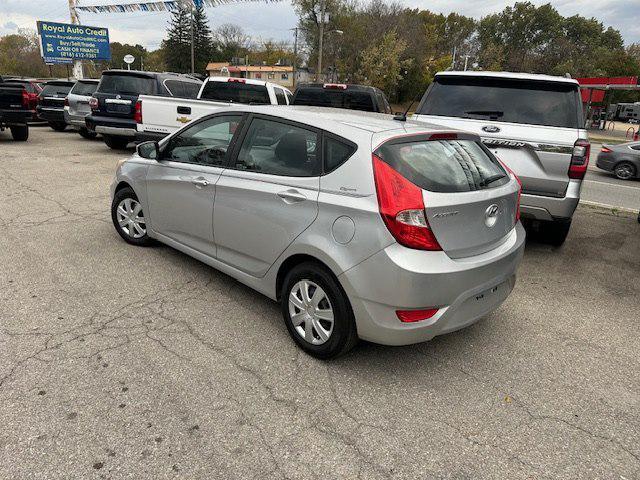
622,160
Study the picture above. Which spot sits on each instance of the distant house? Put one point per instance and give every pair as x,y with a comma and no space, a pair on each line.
280,74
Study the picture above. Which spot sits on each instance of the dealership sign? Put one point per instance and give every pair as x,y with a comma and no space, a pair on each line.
64,43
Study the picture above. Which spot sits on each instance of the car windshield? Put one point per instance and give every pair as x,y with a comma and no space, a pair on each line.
126,84
554,104
235,92
324,97
444,165
84,88
56,90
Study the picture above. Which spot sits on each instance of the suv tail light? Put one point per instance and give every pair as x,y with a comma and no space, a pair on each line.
137,114
93,103
579,159
519,190
402,208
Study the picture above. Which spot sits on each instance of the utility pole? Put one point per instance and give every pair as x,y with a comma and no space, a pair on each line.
193,54
295,54
321,34
77,64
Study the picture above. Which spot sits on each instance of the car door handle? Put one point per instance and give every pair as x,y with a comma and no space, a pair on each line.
200,182
292,196
184,110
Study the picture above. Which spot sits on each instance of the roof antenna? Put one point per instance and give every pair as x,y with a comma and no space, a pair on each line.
402,117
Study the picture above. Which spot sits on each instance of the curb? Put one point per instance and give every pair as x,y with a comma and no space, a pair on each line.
610,209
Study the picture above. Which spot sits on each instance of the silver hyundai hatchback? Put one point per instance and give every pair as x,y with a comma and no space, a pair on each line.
360,225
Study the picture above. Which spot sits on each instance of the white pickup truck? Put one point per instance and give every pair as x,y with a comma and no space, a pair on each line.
157,117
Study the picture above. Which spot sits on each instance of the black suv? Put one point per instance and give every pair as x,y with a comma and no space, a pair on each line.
113,105
51,103
340,95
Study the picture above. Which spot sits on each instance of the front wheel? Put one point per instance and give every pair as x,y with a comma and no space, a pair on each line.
317,312
624,171
116,143
128,218
58,126
20,134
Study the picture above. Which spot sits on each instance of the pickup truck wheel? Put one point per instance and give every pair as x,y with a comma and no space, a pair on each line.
555,233
88,134
58,126
20,134
116,143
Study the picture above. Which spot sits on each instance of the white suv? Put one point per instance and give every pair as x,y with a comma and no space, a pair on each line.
532,123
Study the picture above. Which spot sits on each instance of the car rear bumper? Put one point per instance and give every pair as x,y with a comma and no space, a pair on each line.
539,207
75,120
51,114
119,127
15,117
398,278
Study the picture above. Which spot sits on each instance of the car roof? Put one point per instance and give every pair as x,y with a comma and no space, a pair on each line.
508,75
340,120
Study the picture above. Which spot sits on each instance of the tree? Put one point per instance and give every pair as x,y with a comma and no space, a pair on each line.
231,41
177,45
202,39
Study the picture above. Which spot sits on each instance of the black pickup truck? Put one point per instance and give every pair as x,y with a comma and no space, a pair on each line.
14,110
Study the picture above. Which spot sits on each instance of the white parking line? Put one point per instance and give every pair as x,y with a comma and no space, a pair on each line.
613,184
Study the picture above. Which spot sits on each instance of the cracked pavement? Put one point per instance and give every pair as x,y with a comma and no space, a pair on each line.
121,362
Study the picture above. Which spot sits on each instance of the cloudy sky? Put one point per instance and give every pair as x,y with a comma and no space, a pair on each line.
274,20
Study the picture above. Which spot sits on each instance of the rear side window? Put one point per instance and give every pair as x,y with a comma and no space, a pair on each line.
182,89
324,97
235,92
336,152
55,90
277,148
444,165
554,104
126,84
84,88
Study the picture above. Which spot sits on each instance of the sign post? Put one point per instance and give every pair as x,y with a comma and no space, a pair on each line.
67,43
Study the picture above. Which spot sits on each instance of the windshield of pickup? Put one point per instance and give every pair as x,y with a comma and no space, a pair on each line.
555,104
235,92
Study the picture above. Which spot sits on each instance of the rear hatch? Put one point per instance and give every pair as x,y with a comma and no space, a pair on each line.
78,98
530,125
11,96
469,199
53,94
118,92
335,95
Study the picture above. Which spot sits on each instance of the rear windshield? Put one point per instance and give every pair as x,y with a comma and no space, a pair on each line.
126,84
235,92
504,100
324,97
445,165
55,90
84,88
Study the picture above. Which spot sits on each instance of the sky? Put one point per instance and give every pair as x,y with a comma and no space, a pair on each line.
275,20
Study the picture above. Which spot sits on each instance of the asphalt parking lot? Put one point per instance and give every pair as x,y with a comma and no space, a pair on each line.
122,362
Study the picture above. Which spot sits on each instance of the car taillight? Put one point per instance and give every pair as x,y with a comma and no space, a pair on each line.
137,114
33,100
579,159
411,316
519,189
335,86
93,103
606,150
402,208
25,99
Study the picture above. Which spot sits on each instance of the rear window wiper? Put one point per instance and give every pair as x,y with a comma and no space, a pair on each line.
489,180
488,113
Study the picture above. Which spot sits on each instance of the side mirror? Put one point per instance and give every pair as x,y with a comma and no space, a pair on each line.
150,150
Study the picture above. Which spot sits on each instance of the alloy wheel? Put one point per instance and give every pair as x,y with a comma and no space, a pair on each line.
131,218
624,171
311,312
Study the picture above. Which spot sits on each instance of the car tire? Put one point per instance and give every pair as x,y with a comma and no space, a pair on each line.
625,171
312,330
20,134
116,143
58,126
555,232
88,134
125,215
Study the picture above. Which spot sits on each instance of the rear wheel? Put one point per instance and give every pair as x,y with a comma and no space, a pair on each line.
88,134
128,218
625,170
317,312
58,126
116,143
555,232
20,134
